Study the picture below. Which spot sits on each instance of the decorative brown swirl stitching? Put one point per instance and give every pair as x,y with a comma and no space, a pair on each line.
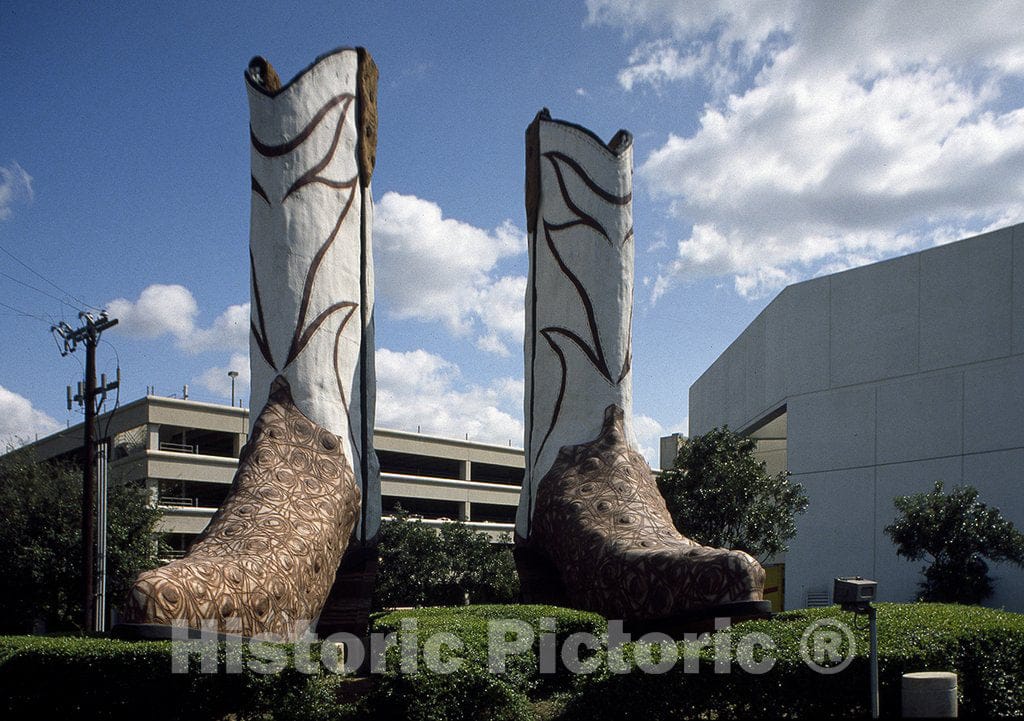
603,524
594,350
258,189
273,151
260,334
267,559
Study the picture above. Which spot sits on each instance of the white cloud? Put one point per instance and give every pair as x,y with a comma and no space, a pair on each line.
217,381
648,433
432,268
160,309
20,422
417,390
836,134
15,186
230,330
491,343
658,62
171,310
502,312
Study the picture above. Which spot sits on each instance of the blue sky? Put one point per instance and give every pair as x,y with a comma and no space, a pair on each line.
774,142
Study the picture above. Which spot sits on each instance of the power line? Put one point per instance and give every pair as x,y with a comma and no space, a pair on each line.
27,315
19,281
39,275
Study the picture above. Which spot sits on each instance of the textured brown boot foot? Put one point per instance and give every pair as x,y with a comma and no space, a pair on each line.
268,558
602,523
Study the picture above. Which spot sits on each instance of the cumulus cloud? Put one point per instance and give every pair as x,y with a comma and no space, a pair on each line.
172,310
648,433
432,268
20,422
230,330
835,134
160,309
217,381
15,186
417,390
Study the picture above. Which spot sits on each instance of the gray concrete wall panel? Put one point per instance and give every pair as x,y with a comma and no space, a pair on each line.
994,406
1018,288
894,376
831,430
965,301
871,308
920,417
838,547
796,341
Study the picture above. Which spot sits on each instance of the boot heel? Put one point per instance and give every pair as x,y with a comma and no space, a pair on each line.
539,581
347,609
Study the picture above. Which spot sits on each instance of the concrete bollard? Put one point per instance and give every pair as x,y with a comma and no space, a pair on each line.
929,694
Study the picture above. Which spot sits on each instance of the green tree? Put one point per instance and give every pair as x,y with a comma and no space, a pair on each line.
40,568
424,566
954,533
477,570
719,494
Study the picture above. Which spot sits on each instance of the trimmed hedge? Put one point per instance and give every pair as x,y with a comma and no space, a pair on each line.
98,678
72,678
983,646
474,692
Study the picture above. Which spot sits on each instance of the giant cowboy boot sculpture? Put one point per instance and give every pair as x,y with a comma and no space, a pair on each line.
592,530
307,486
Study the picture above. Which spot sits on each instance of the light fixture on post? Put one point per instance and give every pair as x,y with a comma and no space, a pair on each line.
233,375
855,594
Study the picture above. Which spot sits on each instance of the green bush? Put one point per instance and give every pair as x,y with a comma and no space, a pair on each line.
425,566
473,692
87,678
955,533
720,494
984,647
41,567
97,678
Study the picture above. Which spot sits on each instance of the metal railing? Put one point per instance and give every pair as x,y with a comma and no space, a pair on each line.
178,501
178,447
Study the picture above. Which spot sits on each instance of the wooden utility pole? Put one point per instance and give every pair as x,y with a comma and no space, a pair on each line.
89,335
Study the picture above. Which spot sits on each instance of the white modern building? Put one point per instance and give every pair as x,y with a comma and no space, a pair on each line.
185,454
877,382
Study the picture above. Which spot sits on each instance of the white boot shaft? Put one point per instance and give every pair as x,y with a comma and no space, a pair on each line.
579,296
312,268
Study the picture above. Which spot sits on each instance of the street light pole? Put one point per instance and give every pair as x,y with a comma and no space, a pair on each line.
233,375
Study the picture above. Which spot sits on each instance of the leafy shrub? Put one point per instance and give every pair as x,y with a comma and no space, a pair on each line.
425,566
720,494
96,678
80,678
473,691
984,647
41,568
955,533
